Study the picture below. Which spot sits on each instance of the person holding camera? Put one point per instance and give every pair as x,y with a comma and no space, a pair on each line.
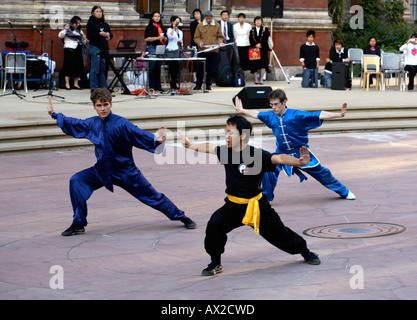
175,42
74,44
409,50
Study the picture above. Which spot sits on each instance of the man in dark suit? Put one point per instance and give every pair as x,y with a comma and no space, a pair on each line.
227,27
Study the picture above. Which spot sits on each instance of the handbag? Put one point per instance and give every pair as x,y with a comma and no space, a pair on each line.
253,55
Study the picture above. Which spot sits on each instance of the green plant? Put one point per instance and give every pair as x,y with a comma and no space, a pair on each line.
383,20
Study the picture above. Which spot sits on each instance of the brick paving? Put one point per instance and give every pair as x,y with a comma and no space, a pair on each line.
130,251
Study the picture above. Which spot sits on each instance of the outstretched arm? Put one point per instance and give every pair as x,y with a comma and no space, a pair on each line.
292,161
331,115
161,135
50,106
200,147
238,106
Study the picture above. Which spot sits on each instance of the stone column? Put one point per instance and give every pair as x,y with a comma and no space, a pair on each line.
175,8
217,7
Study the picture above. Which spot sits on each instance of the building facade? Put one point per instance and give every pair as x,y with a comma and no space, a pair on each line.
127,20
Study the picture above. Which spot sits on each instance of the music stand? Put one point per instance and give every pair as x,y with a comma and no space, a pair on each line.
50,94
14,66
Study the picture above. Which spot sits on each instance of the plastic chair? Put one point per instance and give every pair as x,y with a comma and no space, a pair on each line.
391,64
355,57
15,63
371,64
1,70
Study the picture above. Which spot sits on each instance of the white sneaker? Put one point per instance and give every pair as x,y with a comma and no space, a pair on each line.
350,196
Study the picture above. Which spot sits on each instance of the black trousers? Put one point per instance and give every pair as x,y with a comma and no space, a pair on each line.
211,68
412,70
271,228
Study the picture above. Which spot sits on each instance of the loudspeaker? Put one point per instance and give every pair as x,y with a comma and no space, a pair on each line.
340,76
272,8
254,97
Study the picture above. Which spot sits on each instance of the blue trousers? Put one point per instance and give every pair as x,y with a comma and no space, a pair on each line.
85,182
97,69
320,173
154,71
310,78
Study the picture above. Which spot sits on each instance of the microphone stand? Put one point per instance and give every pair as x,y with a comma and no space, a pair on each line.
14,66
50,94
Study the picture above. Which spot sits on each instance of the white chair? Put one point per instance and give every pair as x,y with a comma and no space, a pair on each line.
15,63
1,70
390,65
355,57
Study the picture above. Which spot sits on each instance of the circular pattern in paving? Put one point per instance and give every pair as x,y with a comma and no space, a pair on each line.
355,230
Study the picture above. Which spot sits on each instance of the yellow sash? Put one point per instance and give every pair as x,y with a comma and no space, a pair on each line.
252,215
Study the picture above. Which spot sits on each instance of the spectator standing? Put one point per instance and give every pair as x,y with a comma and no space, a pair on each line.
198,16
310,61
241,31
208,33
98,33
175,42
74,46
154,36
258,39
227,27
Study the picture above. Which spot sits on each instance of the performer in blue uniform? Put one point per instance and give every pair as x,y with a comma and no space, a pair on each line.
113,137
290,128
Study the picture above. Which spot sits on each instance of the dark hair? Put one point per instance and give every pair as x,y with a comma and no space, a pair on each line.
311,33
101,94
223,11
241,15
94,9
339,41
151,19
414,35
74,20
258,18
372,37
197,10
173,18
277,94
242,125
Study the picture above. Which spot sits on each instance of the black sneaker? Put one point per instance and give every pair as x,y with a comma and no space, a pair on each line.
189,224
73,229
312,258
212,269
197,88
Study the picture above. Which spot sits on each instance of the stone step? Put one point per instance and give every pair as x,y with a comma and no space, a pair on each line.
50,130
45,135
66,142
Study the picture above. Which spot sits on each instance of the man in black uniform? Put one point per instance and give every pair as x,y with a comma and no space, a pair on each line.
245,204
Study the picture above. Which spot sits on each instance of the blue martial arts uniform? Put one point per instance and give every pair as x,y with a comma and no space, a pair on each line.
291,131
113,139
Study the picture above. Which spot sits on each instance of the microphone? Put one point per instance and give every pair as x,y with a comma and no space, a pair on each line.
36,28
8,21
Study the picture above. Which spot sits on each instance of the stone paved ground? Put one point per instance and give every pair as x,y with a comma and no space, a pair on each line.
130,251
